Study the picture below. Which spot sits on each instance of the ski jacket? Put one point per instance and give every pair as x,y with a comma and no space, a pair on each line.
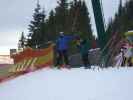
62,42
84,47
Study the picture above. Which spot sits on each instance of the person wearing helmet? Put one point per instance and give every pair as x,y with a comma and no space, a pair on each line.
62,45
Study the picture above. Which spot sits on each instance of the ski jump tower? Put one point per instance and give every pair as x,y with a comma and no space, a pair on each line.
100,26
99,20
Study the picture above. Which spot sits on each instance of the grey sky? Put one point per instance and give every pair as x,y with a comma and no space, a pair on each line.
15,16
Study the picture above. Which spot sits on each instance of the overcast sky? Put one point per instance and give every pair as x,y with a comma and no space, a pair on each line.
15,16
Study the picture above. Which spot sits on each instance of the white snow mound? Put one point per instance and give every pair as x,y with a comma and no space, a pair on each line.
73,84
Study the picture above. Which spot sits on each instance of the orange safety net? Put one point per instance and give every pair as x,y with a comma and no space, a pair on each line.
30,58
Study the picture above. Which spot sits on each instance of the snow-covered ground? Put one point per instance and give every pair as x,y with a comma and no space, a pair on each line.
73,84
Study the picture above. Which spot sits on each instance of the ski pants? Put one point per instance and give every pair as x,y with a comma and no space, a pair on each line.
62,57
85,60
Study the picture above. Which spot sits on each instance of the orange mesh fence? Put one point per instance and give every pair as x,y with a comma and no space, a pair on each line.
30,58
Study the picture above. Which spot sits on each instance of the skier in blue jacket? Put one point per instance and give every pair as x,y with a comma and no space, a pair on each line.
62,45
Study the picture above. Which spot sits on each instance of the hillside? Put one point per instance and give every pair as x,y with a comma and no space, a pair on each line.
73,84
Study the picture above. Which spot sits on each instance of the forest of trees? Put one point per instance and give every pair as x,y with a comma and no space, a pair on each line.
69,17
122,21
73,17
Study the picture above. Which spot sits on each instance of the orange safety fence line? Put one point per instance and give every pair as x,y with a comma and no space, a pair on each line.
38,58
48,64
30,53
30,60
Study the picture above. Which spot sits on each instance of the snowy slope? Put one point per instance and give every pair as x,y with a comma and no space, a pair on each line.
74,84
